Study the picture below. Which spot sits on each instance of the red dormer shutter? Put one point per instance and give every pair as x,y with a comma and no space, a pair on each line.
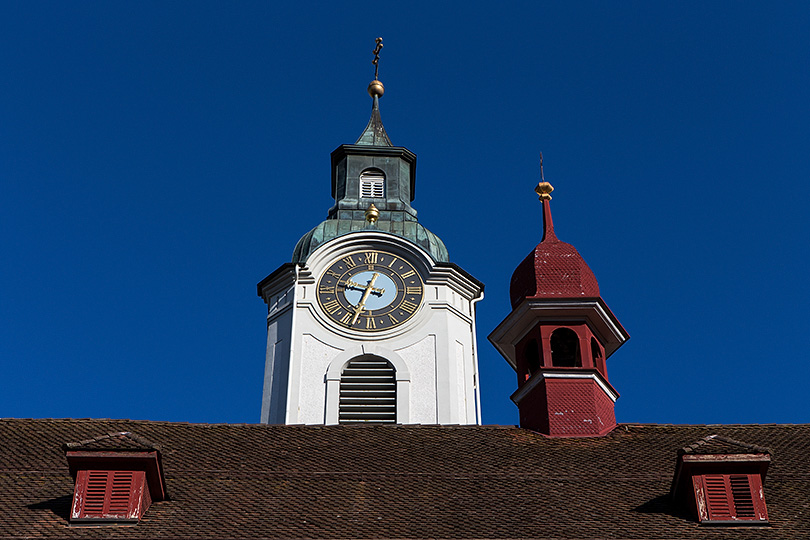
733,497
109,495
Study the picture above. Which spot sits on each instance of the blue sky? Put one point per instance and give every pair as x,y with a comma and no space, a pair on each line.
158,159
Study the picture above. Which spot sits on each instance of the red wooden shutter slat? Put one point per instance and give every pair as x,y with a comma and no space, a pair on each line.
120,493
720,505
95,493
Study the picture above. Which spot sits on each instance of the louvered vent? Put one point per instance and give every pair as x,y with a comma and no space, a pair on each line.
717,496
108,495
730,497
372,184
368,392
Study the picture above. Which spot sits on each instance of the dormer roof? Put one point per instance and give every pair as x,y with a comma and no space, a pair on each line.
718,444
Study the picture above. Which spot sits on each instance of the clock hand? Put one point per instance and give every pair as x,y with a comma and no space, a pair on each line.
361,304
352,284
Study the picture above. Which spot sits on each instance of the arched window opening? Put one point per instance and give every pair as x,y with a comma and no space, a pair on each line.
368,392
532,358
372,183
565,348
596,353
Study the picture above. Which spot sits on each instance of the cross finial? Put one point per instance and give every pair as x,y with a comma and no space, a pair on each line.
376,60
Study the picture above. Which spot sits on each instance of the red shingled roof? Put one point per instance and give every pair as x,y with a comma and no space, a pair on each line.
258,481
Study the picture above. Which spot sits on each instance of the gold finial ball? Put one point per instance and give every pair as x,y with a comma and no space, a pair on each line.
376,88
544,189
372,214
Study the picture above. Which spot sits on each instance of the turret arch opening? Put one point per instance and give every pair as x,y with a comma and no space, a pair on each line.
532,357
565,350
596,353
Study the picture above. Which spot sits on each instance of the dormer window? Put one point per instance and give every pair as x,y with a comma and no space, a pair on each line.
372,184
118,475
722,481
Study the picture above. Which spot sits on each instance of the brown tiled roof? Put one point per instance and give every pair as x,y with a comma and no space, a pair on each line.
257,481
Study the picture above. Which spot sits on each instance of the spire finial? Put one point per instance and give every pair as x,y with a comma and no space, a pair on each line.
544,190
375,87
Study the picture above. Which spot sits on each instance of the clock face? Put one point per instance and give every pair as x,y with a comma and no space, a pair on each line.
370,291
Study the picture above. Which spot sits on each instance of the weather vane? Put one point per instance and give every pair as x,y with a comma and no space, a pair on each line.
376,60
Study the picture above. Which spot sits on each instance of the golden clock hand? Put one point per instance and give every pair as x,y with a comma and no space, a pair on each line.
350,283
361,304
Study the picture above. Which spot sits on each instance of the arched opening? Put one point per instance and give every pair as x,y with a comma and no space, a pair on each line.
596,353
372,184
532,353
565,348
368,392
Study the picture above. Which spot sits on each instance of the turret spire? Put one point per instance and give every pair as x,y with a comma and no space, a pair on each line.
544,190
374,134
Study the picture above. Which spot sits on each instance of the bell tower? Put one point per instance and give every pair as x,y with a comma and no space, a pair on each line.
558,338
370,321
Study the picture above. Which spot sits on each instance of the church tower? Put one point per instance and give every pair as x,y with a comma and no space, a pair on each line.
371,322
558,338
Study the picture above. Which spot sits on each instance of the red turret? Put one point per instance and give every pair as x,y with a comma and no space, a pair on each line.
557,338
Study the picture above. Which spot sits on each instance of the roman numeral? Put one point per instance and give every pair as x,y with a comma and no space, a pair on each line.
349,262
371,257
393,320
408,306
333,274
392,262
323,289
331,306
370,324
413,290
346,319
407,274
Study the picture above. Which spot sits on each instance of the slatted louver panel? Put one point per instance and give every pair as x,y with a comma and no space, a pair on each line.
372,184
368,392
717,496
108,496
120,501
741,494
95,493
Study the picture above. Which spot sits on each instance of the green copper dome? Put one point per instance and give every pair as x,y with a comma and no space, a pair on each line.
333,228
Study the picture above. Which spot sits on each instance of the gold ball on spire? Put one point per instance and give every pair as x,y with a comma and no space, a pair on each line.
544,189
376,88
372,214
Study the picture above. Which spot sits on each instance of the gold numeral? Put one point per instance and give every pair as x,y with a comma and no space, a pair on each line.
326,290
349,262
413,290
407,274
333,274
371,257
331,306
410,307
392,262
393,320
370,324
346,319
